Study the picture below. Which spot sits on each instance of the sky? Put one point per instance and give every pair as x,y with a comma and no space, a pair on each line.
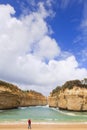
43,43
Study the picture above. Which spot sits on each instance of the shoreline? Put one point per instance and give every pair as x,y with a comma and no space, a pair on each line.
42,123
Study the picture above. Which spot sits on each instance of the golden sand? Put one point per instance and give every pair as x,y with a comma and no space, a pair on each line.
45,126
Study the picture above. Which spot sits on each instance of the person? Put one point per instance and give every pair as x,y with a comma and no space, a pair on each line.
29,123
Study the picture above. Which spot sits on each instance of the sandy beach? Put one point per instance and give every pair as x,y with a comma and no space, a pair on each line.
68,126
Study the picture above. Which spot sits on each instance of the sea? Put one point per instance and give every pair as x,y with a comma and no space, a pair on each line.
42,114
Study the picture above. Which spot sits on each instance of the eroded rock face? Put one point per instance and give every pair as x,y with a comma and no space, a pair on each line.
74,98
12,97
33,98
8,101
53,101
9,96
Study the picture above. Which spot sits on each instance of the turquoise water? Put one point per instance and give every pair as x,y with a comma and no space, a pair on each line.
42,114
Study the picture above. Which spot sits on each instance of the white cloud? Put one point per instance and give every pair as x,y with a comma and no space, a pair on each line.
49,2
67,3
47,48
83,54
24,43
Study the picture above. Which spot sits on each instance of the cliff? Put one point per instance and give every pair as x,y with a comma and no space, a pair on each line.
32,98
9,96
71,96
12,97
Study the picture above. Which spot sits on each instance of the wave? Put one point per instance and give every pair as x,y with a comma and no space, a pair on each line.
46,106
1,110
67,113
50,119
63,112
55,109
22,108
72,113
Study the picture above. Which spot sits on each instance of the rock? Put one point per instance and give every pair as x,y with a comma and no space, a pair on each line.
13,97
32,98
9,96
71,96
53,101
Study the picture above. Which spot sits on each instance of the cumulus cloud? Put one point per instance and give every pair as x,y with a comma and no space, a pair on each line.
28,53
47,48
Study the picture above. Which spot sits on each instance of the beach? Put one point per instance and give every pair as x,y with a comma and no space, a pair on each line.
43,118
44,126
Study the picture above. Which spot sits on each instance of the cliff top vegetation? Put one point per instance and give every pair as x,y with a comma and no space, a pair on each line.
69,85
33,92
72,83
9,86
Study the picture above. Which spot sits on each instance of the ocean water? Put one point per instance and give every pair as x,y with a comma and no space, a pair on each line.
42,114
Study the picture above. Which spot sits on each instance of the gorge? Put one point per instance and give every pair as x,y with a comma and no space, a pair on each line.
71,96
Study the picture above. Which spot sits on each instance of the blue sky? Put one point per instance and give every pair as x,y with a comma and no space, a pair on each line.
43,42
65,24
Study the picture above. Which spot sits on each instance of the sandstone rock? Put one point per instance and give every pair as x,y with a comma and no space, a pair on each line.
52,101
33,98
9,96
12,97
72,98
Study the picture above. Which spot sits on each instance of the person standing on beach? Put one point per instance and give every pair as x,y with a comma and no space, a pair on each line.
29,123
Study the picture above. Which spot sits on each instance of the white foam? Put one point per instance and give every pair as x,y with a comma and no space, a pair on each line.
22,108
67,113
49,123
71,113
1,110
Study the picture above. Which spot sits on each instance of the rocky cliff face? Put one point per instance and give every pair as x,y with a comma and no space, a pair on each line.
72,96
33,98
9,96
12,97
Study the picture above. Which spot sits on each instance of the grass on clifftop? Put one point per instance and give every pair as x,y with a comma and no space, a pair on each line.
33,92
14,88
8,85
69,85
72,83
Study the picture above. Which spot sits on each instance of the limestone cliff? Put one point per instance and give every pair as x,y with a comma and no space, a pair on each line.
71,96
12,97
9,96
32,98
